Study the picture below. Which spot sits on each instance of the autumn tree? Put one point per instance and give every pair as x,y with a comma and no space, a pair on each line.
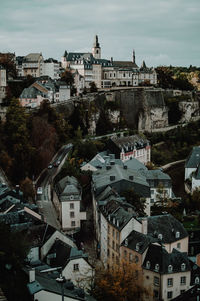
67,77
44,140
17,139
26,186
123,283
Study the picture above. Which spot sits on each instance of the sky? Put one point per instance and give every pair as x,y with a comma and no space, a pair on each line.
162,32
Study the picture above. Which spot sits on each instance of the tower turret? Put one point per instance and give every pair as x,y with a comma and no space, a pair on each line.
96,50
134,56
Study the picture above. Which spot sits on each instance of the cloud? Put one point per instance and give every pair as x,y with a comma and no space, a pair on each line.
157,29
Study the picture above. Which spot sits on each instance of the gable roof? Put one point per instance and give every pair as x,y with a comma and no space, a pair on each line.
125,64
166,225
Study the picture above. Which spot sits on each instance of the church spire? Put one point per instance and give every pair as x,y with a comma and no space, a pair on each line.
96,50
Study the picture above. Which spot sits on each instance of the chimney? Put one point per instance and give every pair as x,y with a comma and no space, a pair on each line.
144,225
32,275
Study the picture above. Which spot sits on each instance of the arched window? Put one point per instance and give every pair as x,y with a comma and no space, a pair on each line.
157,267
177,234
137,247
170,268
160,236
148,264
196,280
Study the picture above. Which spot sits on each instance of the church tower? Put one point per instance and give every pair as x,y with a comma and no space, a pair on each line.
96,50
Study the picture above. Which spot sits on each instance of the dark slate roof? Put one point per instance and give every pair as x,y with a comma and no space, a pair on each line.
116,214
195,272
125,64
130,142
194,158
43,282
68,186
157,254
197,173
166,225
121,179
139,240
189,295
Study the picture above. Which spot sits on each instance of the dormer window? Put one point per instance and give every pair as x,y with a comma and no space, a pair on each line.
157,267
160,236
137,247
170,268
177,234
148,264
183,267
196,280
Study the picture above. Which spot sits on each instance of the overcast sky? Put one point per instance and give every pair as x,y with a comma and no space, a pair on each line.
162,32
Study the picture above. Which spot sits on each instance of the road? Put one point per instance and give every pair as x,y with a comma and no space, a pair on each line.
45,205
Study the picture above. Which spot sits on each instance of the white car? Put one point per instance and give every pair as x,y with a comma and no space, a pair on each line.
39,190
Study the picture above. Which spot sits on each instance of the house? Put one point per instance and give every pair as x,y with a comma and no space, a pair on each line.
74,264
169,231
68,202
167,275
43,287
54,91
3,83
32,64
192,170
128,147
51,68
147,75
116,222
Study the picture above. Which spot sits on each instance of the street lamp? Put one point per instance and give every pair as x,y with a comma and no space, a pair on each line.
61,280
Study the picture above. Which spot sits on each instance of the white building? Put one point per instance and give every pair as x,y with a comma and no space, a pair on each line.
192,169
51,68
32,64
68,202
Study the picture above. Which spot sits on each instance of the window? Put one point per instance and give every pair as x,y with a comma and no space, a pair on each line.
155,294
170,268
73,223
113,233
196,280
170,282
136,259
182,291
183,267
108,252
148,264
177,234
156,281
130,257
108,229
72,214
169,295
178,245
117,235
157,267
113,244
160,236
76,267
71,205
183,280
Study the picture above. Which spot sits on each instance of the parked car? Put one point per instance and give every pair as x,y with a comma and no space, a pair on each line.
57,163
39,190
50,166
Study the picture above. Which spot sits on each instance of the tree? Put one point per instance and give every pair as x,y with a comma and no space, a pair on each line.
93,87
17,140
120,284
26,186
134,199
165,77
67,77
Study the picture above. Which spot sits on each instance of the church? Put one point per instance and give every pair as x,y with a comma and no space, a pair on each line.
90,67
